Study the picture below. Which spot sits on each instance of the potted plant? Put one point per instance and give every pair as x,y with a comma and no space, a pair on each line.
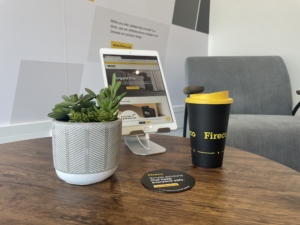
86,135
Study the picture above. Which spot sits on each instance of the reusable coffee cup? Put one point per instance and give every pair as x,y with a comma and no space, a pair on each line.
208,121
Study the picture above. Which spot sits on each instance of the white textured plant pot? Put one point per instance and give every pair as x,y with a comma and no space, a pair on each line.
86,153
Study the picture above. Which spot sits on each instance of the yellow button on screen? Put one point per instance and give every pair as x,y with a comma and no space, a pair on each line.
132,87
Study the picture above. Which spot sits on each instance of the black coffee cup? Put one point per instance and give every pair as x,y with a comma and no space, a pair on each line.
208,121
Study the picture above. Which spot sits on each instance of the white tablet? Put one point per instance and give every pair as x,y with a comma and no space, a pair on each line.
147,106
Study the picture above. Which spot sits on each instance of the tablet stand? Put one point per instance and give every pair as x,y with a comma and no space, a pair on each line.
140,144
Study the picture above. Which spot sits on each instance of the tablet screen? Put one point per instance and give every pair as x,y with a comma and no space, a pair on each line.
146,106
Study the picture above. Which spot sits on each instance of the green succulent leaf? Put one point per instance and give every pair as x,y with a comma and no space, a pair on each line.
74,98
114,78
114,109
95,108
59,116
88,104
110,105
87,98
66,98
122,95
60,109
107,92
90,92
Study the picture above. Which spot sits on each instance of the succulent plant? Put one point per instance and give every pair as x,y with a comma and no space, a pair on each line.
85,109
107,99
75,103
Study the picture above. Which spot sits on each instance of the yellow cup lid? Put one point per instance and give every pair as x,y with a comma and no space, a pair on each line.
210,98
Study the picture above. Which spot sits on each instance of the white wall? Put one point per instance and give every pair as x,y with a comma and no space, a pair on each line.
45,48
258,27
59,31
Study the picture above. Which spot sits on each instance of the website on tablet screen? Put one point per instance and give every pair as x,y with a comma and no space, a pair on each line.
146,101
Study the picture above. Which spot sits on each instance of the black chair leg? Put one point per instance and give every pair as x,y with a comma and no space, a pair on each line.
185,121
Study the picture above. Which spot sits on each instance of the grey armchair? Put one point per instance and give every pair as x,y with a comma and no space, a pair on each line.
261,119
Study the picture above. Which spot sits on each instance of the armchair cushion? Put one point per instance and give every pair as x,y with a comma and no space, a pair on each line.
276,137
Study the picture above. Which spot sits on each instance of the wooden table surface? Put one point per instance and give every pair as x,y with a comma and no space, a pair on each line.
248,189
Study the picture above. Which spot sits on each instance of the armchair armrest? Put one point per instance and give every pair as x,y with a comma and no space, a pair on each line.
189,90
193,89
297,106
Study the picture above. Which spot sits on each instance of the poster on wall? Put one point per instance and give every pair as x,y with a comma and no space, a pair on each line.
113,29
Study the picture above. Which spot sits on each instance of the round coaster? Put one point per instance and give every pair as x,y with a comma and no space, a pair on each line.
167,181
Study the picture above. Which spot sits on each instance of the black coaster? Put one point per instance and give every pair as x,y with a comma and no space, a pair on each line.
167,181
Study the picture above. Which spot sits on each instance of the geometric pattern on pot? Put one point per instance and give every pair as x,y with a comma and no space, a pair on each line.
85,148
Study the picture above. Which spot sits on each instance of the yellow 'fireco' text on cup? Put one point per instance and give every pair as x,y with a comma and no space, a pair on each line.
212,136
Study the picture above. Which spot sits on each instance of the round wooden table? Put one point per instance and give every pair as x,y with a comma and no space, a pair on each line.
247,189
